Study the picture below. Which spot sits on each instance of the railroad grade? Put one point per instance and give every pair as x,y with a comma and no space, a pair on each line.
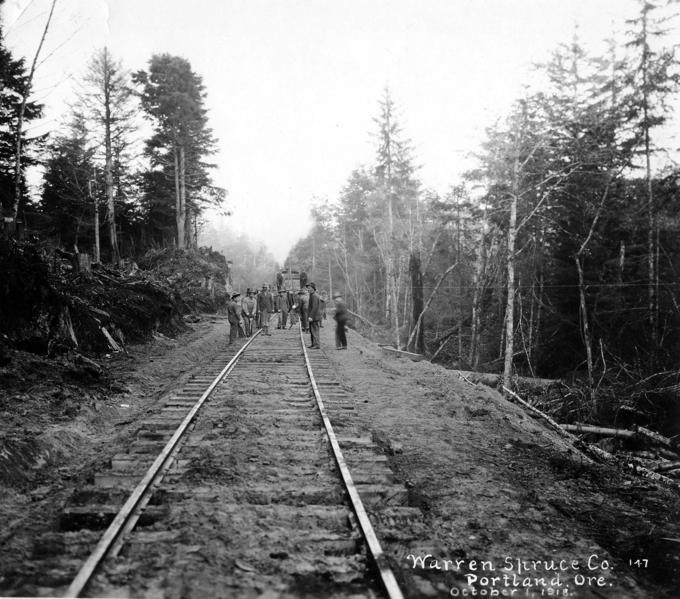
251,502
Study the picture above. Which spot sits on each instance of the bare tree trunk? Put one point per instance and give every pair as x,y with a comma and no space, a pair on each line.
657,307
180,183
395,312
510,269
10,219
108,160
539,308
419,321
585,329
330,277
476,301
97,254
417,343
178,197
651,299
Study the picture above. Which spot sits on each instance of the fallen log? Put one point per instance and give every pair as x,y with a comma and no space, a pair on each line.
112,342
639,431
401,353
599,430
654,436
668,467
491,379
604,455
540,414
360,317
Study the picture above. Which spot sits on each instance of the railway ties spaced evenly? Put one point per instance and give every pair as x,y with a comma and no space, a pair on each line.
257,367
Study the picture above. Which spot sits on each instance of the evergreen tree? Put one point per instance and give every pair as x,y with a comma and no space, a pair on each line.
651,81
13,86
173,96
106,101
69,189
397,194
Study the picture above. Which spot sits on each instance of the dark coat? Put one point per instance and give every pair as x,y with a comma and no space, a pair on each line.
341,314
232,312
265,302
315,312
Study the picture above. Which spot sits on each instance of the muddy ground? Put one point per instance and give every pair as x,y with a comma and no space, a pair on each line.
495,484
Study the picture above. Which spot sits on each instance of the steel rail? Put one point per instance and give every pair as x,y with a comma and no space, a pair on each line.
118,526
386,574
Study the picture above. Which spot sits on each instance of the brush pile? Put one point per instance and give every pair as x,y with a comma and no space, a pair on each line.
53,302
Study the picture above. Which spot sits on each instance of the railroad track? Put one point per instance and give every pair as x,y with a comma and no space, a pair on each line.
255,479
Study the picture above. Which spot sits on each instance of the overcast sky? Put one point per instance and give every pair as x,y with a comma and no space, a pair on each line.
293,85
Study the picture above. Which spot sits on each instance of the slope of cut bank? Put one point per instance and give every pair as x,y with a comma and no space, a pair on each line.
60,424
498,486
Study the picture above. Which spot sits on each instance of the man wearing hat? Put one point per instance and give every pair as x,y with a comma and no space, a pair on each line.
315,316
249,311
232,316
265,307
283,309
341,318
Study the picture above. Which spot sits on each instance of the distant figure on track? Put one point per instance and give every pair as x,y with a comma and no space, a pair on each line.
284,308
265,307
239,313
303,302
249,311
315,316
341,319
294,308
232,317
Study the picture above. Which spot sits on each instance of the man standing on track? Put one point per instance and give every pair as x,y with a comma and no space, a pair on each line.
315,315
294,300
303,301
341,317
265,307
277,308
232,317
239,314
283,309
249,311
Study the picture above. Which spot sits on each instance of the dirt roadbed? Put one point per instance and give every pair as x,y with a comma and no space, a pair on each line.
500,487
515,511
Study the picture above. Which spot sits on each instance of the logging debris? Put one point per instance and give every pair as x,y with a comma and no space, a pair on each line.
632,462
52,302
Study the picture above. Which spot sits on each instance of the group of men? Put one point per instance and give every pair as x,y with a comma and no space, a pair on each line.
256,309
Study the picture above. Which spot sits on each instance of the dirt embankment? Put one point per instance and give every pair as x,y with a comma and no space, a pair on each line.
499,486
60,422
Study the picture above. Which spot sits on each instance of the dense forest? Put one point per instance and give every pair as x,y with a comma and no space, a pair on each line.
557,256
